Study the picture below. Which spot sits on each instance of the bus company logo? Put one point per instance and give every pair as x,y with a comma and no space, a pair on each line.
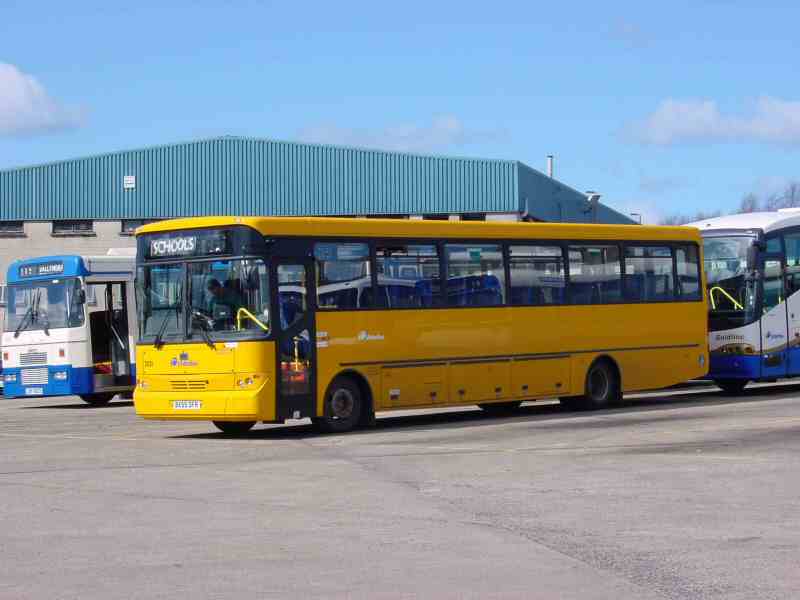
728,337
363,336
183,361
775,336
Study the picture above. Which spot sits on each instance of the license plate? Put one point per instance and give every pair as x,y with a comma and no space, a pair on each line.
187,404
34,391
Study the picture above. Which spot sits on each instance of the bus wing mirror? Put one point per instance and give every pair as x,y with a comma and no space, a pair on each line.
752,255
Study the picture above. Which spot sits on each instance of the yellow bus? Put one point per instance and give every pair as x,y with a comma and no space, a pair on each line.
248,319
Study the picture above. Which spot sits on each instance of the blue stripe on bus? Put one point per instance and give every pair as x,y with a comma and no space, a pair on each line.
734,366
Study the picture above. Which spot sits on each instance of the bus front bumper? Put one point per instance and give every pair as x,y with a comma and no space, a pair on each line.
217,405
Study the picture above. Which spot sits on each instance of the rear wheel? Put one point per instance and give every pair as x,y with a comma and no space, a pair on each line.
734,387
601,389
500,408
343,406
234,427
97,399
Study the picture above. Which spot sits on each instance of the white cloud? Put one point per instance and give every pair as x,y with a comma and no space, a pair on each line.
444,131
27,108
771,120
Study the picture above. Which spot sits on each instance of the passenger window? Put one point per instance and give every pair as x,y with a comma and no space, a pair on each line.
792,243
773,284
594,274
688,264
408,275
291,293
537,275
648,274
343,275
475,275
774,245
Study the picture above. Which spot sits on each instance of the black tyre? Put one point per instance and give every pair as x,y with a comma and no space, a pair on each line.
500,408
734,387
601,389
97,399
343,406
602,386
234,427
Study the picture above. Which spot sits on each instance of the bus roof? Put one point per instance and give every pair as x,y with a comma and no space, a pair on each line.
764,221
66,265
410,228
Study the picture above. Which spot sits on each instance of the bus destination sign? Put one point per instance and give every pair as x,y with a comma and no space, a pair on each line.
208,243
42,269
173,246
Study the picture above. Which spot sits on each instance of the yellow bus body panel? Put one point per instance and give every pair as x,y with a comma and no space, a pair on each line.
438,357
198,372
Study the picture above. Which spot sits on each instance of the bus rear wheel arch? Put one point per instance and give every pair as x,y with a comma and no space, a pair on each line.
602,387
345,406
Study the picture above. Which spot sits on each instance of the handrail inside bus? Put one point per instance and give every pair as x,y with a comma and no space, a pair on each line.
726,294
249,315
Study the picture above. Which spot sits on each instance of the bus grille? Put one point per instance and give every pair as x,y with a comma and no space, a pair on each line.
182,385
33,358
34,376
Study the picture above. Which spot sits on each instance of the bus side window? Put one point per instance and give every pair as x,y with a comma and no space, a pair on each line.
408,275
688,264
342,270
537,275
594,274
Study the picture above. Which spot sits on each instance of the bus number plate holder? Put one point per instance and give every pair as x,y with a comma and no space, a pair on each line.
187,404
34,391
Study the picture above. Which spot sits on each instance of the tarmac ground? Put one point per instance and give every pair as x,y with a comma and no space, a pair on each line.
679,494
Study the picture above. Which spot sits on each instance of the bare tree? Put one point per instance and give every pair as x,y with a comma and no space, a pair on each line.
749,204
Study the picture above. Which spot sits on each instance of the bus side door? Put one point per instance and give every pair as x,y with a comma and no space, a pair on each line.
774,322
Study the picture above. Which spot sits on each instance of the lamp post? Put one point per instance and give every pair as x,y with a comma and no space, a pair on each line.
637,215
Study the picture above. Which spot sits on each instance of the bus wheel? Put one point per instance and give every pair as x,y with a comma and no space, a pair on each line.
734,387
234,427
97,399
500,408
602,386
342,407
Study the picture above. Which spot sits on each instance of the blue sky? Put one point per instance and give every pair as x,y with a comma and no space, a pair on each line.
662,107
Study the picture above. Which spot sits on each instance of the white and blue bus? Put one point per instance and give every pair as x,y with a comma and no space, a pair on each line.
69,327
752,267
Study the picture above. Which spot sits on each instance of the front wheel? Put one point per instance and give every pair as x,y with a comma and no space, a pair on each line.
97,399
234,427
343,407
734,387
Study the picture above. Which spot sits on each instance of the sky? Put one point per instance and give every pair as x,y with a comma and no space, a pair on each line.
663,108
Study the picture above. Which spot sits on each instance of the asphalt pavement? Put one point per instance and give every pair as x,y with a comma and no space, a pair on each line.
680,494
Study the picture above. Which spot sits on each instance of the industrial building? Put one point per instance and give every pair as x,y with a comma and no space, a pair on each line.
88,205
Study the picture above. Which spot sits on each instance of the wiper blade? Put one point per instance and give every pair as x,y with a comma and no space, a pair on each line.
158,342
28,314
204,326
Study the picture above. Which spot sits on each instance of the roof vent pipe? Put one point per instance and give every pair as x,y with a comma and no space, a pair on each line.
550,165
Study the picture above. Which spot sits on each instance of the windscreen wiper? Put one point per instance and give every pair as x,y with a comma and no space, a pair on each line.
204,326
158,342
28,314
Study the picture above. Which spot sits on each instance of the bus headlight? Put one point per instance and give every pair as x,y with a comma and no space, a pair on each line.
10,378
60,375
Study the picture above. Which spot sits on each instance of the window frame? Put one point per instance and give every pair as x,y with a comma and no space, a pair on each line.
13,233
72,232
142,222
564,244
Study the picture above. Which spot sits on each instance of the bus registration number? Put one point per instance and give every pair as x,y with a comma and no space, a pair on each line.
187,404
34,391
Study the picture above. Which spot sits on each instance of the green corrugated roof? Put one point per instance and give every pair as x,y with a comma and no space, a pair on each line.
247,176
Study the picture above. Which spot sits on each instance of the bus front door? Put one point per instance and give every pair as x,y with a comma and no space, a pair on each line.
295,339
774,322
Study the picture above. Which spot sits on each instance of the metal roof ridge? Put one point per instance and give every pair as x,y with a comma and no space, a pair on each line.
223,138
